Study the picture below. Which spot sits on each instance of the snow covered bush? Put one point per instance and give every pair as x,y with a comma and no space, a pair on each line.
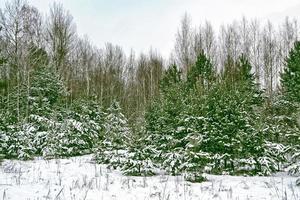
117,132
139,160
173,162
119,159
294,168
4,137
79,129
113,147
137,164
20,141
44,125
3,144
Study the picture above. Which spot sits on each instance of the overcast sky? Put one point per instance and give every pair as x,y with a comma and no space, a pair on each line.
141,24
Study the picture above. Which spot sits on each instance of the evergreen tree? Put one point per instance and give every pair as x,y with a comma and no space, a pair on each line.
117,131
290,78
163,122
26,136
163,115
287,107
3,135
231,117
139,160
113,149
45,94
46,91
79,129
201,72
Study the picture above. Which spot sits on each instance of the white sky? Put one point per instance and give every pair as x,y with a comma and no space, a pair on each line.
141,24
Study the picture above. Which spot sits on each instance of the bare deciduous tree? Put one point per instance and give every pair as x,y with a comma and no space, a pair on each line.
183,45
60,36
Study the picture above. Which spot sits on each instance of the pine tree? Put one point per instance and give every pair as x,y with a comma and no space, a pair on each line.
164,122
46,93
139,160
290,78
287,107
77,129
231,133
113,149
27,134
4,137
162,116
46,90
201,72
117,131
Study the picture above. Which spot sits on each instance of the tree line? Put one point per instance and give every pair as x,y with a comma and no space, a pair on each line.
29,40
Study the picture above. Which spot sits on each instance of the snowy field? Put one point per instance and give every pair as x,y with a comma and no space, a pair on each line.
79,178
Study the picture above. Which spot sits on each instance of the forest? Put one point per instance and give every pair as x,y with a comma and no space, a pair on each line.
224,102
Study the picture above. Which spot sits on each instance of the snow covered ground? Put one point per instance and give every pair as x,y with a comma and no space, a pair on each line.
79,178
